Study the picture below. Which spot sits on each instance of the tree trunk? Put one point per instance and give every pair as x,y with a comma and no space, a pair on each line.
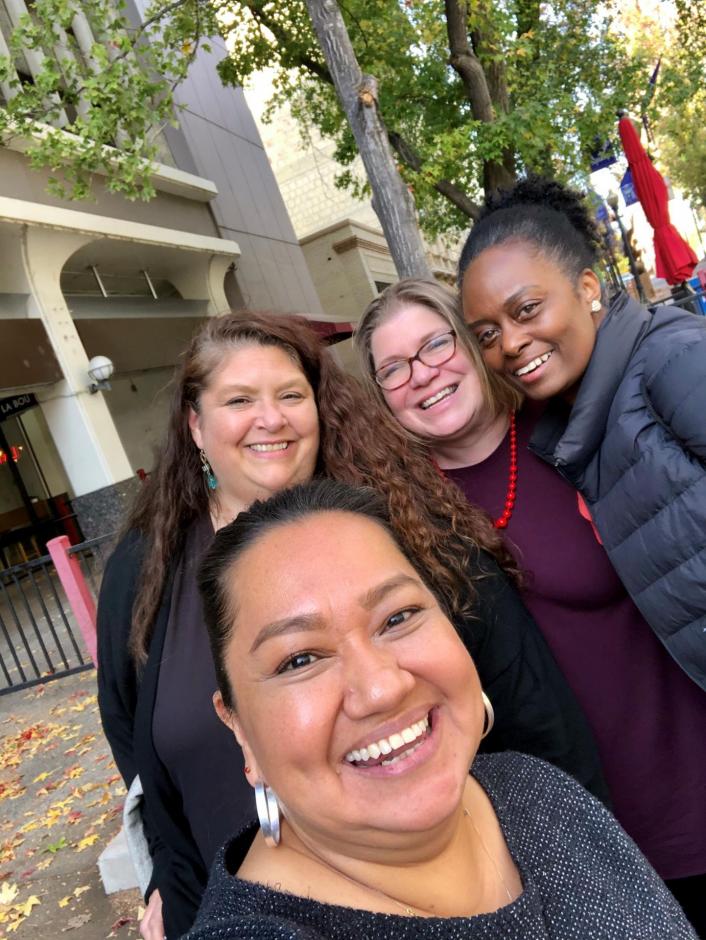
358,94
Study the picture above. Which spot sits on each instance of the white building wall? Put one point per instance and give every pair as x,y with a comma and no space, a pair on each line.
139,406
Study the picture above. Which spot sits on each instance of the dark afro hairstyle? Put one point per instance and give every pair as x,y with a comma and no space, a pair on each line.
214,576
554,219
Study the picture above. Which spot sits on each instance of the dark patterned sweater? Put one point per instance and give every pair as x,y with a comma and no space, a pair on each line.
583,878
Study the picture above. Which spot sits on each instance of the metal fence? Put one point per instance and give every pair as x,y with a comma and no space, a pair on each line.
39,638
693,302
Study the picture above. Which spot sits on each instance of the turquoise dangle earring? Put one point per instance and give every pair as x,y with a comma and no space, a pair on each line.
211,481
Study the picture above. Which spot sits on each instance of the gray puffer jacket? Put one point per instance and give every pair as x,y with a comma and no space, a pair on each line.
634,445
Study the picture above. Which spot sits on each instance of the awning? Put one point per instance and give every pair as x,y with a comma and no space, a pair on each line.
26,355
330,333
136,343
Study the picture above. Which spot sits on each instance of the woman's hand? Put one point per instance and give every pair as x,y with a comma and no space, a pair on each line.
152,925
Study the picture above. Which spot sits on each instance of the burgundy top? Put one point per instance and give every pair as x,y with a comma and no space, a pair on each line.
648,717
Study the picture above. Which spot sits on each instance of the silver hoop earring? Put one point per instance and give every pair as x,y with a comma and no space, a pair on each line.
267,813
595,306
489,716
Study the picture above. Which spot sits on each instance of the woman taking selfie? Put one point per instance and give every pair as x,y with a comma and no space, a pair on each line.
360,713
646,714
259,405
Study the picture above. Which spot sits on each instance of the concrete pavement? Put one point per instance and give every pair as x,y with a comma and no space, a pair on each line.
61,800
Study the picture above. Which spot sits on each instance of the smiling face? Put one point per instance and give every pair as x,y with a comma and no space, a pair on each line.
531,320
356,700
439,403
257,423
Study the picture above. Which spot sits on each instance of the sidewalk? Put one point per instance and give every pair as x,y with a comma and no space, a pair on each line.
61,800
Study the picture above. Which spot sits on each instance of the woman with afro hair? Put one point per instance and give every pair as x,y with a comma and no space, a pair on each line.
622,394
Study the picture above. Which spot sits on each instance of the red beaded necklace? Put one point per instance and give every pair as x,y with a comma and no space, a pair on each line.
502,521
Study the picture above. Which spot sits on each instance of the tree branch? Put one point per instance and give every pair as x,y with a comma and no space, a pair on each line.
466,63
476,84
484,42
403,149
445,188
283,39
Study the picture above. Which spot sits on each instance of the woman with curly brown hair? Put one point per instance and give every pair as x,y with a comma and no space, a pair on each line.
258,406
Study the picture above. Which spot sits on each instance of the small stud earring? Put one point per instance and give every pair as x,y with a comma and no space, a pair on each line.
595,306
247,770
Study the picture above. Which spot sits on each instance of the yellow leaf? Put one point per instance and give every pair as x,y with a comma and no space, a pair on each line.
42,776
8,892
64,902
31,902
79,891
86,841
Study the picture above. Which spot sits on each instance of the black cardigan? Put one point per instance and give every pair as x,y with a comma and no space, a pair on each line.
535,712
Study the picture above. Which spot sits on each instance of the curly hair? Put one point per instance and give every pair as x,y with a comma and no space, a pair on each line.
547,214
498,394
360,443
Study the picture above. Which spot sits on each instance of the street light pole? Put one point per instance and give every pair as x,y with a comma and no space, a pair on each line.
613,203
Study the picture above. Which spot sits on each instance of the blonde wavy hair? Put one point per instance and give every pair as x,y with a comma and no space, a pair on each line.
498,394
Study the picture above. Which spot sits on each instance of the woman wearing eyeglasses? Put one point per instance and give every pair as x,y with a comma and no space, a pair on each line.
420,359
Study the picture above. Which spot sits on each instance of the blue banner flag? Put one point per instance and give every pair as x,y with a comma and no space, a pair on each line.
603,156
627,188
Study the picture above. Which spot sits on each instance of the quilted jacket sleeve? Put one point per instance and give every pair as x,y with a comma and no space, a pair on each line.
675,382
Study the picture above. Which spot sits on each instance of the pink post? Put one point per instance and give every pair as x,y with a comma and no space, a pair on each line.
77,591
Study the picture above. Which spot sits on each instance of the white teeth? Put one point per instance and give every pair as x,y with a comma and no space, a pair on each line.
535,364
384,746
282,445
403,756
428,402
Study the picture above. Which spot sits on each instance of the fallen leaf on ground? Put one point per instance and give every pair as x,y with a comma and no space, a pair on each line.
86,841
8,893
56,846
73,923
120,922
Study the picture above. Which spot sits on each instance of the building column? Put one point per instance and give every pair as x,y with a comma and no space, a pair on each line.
201,275
80,423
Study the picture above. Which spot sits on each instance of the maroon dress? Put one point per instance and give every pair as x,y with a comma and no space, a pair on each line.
648,717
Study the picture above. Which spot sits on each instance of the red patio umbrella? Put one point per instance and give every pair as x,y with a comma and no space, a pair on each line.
674,257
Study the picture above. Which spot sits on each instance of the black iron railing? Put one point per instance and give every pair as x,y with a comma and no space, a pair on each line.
39,638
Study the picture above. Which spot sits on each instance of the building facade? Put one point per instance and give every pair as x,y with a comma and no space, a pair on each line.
129,281
341,236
